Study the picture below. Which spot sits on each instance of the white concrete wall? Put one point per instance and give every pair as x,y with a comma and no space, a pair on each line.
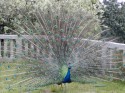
16,48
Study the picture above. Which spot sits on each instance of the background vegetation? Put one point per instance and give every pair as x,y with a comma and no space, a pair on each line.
14,11
110,13
113,18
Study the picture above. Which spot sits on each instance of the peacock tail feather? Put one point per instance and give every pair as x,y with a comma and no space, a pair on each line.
50,41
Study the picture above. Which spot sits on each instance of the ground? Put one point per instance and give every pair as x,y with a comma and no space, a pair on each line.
98,87
108,87
101,87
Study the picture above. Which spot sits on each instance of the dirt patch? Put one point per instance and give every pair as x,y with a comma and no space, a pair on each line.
46,91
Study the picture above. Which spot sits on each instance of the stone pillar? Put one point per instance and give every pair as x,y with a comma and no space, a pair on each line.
32,50
0,49
38,51
104,63
18,47
111,56
5,48
11,49
124,58
26,48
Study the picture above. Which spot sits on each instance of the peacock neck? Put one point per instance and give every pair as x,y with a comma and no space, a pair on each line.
67,78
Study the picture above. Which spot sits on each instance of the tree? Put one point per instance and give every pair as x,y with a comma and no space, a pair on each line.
113,18
14,11
10,13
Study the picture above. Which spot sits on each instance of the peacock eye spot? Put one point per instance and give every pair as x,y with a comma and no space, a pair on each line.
55,26
77,27
6,78
49,32
62,30
57,16
72,19
71,28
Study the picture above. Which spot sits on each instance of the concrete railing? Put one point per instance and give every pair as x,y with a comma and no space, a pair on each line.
12,46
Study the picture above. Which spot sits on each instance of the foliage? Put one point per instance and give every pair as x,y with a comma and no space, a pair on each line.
14,11
10,13
113,18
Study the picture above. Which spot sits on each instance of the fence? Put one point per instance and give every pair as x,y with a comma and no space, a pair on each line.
12,45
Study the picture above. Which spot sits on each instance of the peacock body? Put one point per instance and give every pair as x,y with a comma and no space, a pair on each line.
57,47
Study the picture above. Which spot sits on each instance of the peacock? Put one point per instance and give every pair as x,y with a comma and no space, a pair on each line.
58,46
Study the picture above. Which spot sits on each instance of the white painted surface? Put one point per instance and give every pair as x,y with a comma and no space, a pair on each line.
18,47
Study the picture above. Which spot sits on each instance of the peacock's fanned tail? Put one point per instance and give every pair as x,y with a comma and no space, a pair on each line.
50,41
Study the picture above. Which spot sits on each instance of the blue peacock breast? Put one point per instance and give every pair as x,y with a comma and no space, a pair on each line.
67,78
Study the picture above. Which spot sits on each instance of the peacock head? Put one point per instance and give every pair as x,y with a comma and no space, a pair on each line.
69,66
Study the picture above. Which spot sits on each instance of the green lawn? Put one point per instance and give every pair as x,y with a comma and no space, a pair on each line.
99,87
108,87
78,88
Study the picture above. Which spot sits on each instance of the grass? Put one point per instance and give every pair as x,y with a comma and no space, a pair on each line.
99,87
78,88
110,87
